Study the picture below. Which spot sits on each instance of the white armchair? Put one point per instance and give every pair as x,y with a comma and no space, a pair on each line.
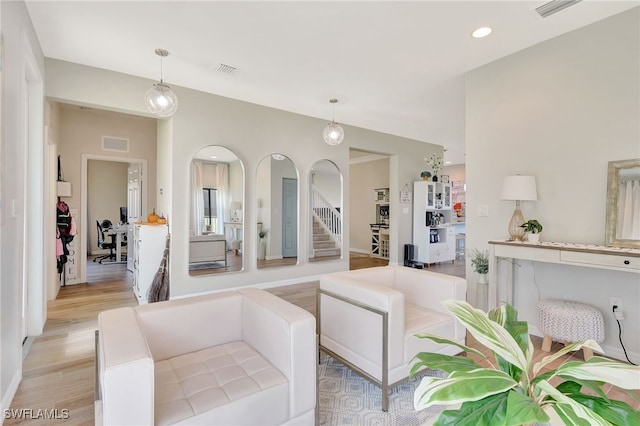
368,318
241,357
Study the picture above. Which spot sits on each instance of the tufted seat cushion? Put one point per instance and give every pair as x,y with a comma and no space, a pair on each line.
195,383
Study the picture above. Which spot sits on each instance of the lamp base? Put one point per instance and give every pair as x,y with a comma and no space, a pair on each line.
515,225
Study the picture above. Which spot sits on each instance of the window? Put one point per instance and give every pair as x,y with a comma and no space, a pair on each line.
210,210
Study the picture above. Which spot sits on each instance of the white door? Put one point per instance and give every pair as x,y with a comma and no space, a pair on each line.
134,194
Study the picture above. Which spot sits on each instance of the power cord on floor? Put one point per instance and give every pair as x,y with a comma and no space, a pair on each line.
618,316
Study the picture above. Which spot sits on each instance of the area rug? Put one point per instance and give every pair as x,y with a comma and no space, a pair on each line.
208,265
348,399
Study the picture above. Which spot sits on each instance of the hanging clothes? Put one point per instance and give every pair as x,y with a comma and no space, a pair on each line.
66,230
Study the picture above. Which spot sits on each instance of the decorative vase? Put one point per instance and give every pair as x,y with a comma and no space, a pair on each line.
262,249
434,178
425,178
533,238
482,288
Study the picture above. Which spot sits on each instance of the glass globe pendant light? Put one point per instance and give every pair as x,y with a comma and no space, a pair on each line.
333,133
160,99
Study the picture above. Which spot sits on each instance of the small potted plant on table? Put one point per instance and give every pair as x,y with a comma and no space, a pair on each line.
533,228
480,263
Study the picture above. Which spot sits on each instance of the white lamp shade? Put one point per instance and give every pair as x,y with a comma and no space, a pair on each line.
161,100
333,133
519,188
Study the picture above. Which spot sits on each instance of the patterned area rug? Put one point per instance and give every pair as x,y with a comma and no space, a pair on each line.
348,399
208,265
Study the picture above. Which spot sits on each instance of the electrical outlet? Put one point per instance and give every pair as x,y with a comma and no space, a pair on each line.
615,301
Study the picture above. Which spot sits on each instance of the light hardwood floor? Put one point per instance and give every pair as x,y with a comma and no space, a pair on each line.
58,372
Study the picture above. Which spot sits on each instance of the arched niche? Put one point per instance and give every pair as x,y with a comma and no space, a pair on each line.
216,218
325,208
277,195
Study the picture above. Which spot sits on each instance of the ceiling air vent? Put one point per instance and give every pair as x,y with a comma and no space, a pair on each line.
226,69
554,7
112,143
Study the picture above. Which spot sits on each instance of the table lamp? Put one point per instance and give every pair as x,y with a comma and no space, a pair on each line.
518,188
235,206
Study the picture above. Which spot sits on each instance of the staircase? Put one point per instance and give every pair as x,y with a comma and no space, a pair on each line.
323,244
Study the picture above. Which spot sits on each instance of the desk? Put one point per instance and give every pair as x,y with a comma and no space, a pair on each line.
586,255
118,232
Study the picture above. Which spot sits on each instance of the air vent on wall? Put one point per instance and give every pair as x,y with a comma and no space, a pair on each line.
112,143
554,7
226,69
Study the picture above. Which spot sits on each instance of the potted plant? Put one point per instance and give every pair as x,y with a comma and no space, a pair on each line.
533,228
425,175
480,263
436,163
262,248
515,390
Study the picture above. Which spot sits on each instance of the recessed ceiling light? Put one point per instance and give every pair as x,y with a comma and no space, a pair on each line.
447,162
213,156
481,32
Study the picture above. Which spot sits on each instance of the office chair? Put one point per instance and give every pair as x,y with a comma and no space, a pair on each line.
103,244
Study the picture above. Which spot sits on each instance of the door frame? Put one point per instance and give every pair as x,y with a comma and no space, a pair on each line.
83,199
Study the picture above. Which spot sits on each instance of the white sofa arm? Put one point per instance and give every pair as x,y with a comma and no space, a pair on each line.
429,289
125,369
285,335
343,326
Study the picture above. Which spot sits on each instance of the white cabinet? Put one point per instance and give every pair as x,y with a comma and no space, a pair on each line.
433,234
149,242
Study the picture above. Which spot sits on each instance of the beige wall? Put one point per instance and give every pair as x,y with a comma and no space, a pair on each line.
364,178
106,193
560,110
252,132
456,172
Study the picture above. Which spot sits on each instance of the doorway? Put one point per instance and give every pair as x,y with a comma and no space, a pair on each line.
87,232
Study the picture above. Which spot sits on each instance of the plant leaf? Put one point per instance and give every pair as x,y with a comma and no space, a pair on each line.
487,411
445,341
461,387
574,386
446,363
567,408
568,348
616,412
522,409
487,332
624,376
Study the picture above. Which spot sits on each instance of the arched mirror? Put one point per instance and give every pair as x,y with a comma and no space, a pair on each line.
216,200
277,211
325,198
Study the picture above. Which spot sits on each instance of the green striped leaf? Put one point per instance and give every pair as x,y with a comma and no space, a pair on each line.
488,332
615,412
625,376
461,387
445,341
567,408
567,348
487,411
446,363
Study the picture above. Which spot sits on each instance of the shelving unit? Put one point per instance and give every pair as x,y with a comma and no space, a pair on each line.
433,234
380,229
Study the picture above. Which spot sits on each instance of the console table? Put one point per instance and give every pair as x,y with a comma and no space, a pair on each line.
586,255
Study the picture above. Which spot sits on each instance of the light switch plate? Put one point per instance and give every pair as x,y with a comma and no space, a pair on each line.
405,210
483,210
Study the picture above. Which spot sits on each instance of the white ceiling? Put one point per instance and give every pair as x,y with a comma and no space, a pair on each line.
396,67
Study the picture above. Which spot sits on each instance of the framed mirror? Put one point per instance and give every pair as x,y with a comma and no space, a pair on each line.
216,197
325,207
277,212
623,204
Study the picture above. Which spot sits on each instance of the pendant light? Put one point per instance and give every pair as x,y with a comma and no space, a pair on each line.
333,133
160,99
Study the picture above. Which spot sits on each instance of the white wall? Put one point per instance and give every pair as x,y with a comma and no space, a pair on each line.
252,132
559,111
22,59
106,193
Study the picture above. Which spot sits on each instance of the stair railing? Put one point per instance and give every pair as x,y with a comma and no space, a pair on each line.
328,216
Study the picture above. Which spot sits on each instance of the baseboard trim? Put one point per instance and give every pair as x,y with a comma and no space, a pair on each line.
7,398
360,251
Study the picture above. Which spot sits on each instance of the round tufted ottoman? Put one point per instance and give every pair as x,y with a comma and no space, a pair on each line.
568,321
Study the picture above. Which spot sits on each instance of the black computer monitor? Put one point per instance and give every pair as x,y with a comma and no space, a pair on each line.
123,215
